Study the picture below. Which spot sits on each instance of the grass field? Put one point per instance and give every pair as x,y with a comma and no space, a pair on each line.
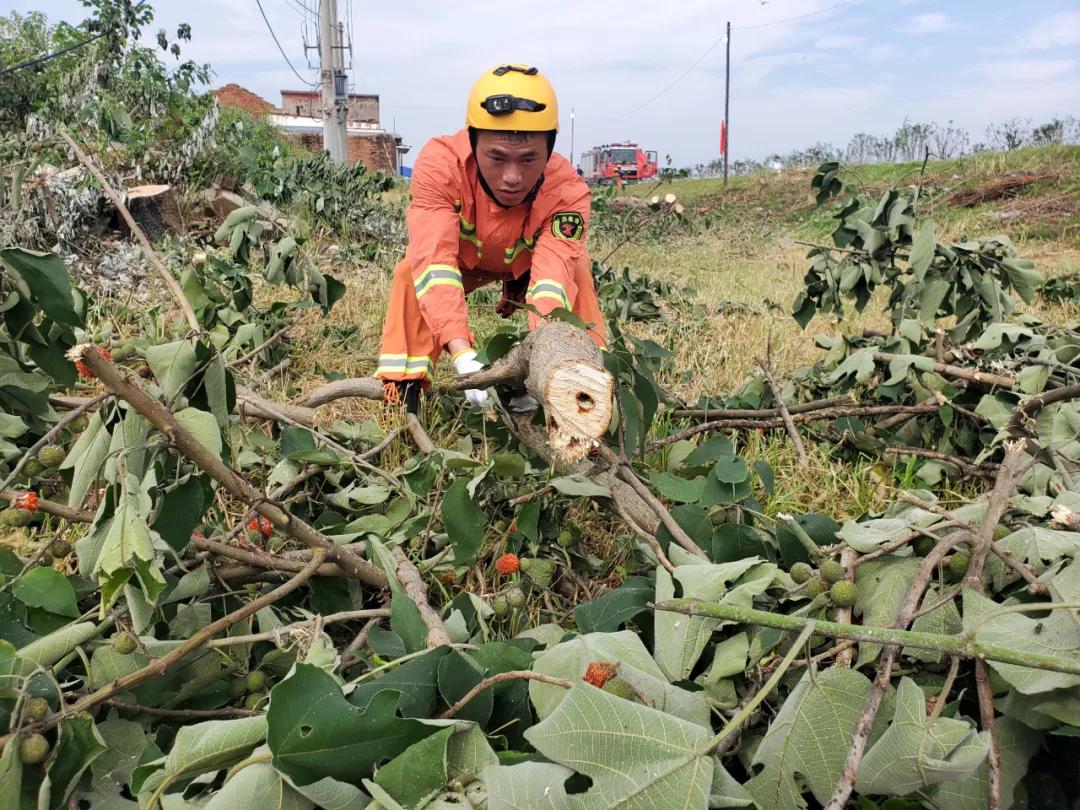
741,246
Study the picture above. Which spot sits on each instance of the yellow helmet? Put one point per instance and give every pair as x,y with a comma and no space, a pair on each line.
513,98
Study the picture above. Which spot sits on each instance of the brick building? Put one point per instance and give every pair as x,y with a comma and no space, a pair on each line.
300,117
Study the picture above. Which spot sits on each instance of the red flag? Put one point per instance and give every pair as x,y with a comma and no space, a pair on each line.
723,137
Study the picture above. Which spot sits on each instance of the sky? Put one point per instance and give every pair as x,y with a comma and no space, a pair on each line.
654,72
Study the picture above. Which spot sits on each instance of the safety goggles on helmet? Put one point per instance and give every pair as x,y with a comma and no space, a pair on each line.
505,103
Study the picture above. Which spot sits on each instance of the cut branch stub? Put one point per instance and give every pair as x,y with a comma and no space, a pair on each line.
561,367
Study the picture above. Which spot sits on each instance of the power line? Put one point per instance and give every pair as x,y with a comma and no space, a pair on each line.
793,19
712,47
40,60
282,50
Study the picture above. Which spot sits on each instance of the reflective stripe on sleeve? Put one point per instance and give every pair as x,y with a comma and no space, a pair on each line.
548,288
436,275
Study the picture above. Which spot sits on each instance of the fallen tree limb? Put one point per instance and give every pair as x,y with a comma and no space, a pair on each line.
959,372
951,645
789,424
561,367
235,484
295,627
261,560
155,261
159,666
409,577
762,413
419,436
362,387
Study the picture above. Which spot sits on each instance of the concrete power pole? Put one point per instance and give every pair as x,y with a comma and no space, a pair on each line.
335,102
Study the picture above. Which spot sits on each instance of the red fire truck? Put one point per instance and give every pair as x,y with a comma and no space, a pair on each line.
602,165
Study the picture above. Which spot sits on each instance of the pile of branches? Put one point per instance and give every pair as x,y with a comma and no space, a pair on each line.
208,597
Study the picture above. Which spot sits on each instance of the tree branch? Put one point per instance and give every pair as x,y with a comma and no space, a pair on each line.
409,577
235,484
766,368
487,683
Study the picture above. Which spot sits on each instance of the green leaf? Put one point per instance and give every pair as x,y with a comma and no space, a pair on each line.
944,621
86,457
179,512
1017,745
47,277
209,746
508,465
636,757
216,387
128,550
630,414
710,450
258,787
125,741
314,732
203,426
808,739
680,639
464,522
579,486
406,621
1058,635
680,490
916,752
11,769
922,251
608,612
46,588
172,364
419,772
731,470
47,650
417,680
458,673
882,585
79,744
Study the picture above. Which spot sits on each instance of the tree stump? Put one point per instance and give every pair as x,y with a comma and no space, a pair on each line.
154,209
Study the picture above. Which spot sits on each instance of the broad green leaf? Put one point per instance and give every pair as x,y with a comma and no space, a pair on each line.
86,457
314,732
579,486
922,250
731,470
1017,745
11,769
106,665
606,613
417,680
679,490
681,639
78,745
46,588
47,650
636,757
808,739
508,465
916,752
570,659
529,786
944,621
1058,635
125,741
258,787
872,534
464,522
47,278
882,585
179,512
203,426
418,772
127,550
203,748
216,387
1032,379
726,791
172,364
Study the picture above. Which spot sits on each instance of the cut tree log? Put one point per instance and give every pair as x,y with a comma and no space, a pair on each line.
155,210
561,367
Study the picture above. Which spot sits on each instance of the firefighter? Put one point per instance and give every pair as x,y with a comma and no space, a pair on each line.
492,203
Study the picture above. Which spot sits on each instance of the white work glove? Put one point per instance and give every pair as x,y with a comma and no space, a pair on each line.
466,363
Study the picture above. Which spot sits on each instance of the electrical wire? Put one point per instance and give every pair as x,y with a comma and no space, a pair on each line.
282,50
40,60
712,47
793,19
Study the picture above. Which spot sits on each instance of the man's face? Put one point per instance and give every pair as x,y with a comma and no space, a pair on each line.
511,163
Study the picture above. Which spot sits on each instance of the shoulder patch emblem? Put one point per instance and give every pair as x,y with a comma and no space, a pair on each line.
567,225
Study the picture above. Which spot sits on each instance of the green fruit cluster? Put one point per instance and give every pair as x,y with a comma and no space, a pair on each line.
16,518
801,572
843,593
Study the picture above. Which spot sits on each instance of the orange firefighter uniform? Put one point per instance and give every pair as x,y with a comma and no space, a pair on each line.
461,239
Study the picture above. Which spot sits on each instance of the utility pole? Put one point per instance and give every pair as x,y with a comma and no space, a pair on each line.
727,98
335,102
571,136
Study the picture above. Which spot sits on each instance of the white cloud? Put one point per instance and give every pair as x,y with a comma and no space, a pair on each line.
1027,70
1056,31
839,42
929,23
